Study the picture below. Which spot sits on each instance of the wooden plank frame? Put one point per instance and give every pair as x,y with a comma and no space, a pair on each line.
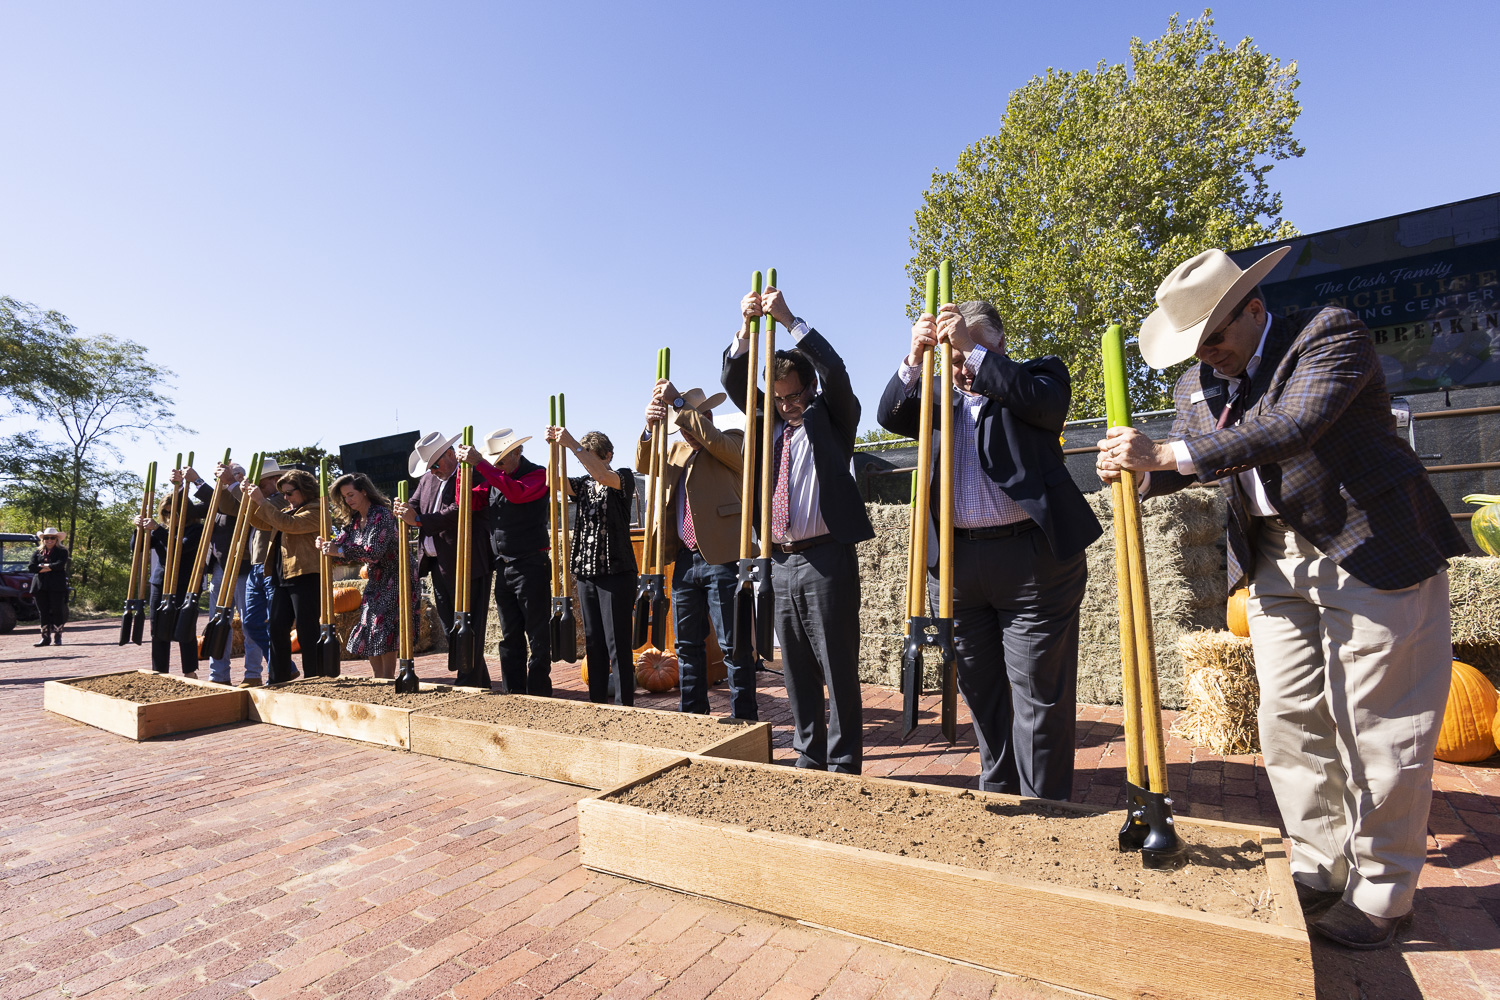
384,725
1081,939
575,760
216,707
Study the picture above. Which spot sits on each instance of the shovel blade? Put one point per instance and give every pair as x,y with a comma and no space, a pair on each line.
138,632
1150,829
911,687
216,636
186,629
162,620
461,645
950,695
565,646
742,646
406,677
127,623
661,607
641,630
765,611
330,651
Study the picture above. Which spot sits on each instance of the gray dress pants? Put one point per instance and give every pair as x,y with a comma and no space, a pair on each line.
817,624
1015,624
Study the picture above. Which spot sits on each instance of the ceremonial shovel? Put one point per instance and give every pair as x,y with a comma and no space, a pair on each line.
164,615
755,601
562,627
406,670
1149,827
133,624
461,635
923,631
329,649
220,626
651,603
187,614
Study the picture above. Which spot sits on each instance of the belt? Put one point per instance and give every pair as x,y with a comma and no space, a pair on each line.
801,545
995,531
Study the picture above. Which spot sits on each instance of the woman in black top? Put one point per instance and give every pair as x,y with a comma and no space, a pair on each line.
156,540
51,564
603,562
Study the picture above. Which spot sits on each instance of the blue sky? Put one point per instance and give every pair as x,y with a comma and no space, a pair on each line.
335,221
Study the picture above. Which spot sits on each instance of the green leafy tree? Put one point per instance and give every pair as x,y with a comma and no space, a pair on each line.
309,456
1099,182
31,342
109,387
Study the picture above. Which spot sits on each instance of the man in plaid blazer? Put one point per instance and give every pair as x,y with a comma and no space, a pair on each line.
1344,545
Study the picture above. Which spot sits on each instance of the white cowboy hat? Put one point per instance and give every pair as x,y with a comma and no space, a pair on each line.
498,444
49,531
268,467
1194,299
694,399
428,450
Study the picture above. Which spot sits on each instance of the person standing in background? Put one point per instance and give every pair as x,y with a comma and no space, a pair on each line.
51,563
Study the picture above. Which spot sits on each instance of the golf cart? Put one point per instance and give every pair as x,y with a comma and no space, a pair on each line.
17,583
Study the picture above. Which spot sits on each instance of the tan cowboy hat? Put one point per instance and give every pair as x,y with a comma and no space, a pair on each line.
694,399
268,468
498,444
49,531
1194,299
431,448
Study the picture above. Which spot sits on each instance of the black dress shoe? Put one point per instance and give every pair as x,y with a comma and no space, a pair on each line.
1315,901
46,639
1352,927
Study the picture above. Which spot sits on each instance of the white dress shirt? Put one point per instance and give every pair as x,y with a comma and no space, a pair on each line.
1257,502
977,501
804,514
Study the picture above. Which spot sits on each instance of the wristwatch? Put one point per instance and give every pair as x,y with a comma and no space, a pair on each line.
678,403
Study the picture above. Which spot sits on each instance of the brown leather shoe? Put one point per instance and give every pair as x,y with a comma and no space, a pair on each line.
1351,927
250,682
1315,901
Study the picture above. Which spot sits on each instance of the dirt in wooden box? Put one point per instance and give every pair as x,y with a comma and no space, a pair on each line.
371,692
143,689
669,730
1225,874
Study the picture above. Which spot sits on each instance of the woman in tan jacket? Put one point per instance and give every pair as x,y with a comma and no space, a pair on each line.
291,565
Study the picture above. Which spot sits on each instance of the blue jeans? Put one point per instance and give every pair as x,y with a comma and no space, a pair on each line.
218,670
255,618
703,593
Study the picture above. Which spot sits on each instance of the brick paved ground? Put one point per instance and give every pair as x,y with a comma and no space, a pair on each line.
259,861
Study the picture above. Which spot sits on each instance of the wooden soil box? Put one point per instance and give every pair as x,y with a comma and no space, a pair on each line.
575,759
216,707
354,720
1082,939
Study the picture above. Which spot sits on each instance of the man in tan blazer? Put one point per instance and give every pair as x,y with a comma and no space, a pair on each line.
701,533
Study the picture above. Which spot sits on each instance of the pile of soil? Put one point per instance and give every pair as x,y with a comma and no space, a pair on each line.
1225,874
669,730
143,689
370,691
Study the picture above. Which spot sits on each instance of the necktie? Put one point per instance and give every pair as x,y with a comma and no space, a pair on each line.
781,514
1232,409
689,535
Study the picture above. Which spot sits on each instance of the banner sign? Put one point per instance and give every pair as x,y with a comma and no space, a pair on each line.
1427,284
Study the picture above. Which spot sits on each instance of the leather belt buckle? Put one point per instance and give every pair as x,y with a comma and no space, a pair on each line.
801,545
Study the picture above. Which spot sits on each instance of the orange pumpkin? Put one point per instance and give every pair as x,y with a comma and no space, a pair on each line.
656,671
1468,732
1236,613
346,599
296,643
364,571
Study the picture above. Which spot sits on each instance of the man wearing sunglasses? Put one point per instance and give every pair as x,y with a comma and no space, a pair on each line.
817,517
1344,546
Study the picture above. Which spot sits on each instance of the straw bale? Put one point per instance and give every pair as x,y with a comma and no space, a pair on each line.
1474,598
1221,692
882,598
1184,541
429,627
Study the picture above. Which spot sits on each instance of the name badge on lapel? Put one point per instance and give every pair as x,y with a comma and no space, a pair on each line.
1203,394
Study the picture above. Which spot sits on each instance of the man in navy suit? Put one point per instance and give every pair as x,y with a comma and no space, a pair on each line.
817,517
1020,529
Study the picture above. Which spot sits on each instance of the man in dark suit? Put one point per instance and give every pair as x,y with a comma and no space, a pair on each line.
817,517
433,510
1020,529
1344,545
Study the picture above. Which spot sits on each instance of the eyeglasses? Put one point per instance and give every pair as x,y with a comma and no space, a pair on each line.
49,538
1218,338
781,400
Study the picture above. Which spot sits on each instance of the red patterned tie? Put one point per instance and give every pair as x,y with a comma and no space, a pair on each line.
781,514
689,535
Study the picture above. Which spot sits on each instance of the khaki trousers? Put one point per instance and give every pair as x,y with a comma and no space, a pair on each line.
1353,683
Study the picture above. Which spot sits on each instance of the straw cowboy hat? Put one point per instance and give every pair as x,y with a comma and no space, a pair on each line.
49,531
428,450
498,444
694,399
269,468
1195,298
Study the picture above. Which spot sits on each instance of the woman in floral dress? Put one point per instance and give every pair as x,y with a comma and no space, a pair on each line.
369,536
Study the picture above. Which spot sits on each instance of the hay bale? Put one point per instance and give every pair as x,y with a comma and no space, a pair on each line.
1184,541
882,598
429,627
1474,600
1221,691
